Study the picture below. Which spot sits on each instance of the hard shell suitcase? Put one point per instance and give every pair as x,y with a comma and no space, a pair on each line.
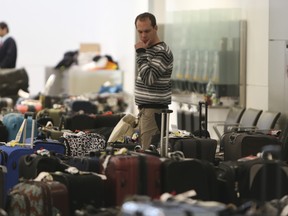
238,145
133,174
39,199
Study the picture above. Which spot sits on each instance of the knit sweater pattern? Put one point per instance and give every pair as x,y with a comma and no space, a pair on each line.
153,82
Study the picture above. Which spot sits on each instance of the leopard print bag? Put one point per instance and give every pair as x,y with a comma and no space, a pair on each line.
81,143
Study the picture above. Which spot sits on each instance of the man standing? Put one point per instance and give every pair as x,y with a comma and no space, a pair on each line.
8,48
153,83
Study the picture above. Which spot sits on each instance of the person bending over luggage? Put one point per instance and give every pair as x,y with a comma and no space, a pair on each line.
8,48
153,92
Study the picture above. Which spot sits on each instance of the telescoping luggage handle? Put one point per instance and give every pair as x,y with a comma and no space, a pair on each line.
164,145
23,129
201,103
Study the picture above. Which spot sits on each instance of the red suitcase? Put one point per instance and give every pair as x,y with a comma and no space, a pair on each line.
133,174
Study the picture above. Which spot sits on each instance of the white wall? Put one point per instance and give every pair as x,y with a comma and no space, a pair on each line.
45,30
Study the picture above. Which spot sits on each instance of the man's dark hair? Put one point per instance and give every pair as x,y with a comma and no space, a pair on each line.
4,25
146,15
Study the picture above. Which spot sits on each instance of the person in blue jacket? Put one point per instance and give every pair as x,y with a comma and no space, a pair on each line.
8,48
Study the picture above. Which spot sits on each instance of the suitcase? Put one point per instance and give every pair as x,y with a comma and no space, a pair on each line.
179,176
12,151
6,103
30,166
133,174
3,132
39,199
13,122
256,179
84,188
181,119
200,148
3,171
242,144
8,85
77,105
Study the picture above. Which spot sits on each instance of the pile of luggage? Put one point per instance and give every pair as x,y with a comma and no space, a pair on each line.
59,162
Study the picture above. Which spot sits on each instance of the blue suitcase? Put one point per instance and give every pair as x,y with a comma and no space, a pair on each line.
13,122
11,152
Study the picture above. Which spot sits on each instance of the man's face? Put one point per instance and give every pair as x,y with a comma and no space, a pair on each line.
2,32
146,31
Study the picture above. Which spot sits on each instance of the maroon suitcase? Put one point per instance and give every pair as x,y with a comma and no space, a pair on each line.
133,174
238,145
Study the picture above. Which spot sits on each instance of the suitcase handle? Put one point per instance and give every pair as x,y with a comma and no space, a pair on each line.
201,103
164,146
22,130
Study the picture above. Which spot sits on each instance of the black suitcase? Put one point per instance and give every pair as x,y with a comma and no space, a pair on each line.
181,119
84,189
242,144
200,148
256,179
8,85
179,176
31,165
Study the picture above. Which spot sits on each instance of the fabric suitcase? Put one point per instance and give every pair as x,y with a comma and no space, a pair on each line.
39,199
31,165
191,120
6,103
179,176
254,179
201,148
76,105
238,145
84,189
12,151
13,122
50,145
133,174
79,122
3,171
3,132
86,163
181,120
12,80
